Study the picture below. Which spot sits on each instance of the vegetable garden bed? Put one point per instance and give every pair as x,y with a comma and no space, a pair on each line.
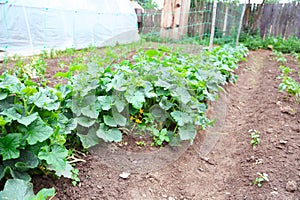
158,92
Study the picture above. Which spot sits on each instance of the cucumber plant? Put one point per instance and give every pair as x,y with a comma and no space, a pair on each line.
288,84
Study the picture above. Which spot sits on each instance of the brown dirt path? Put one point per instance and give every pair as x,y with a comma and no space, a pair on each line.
232,165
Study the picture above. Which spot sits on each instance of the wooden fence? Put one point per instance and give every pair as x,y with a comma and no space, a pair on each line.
273,19
270,19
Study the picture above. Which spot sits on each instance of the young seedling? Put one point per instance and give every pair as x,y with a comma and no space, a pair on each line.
76,179
279,56
255,137
140,143
160,137
288,84
262,177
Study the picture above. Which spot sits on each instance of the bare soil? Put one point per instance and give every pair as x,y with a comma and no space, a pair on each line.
229,169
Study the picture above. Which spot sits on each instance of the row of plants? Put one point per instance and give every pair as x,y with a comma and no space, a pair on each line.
288,45
156,92
251,41
289,85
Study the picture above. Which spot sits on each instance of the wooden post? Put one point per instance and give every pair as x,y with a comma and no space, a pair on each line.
201,24
174,20
225,20
184,17
212,32
241,24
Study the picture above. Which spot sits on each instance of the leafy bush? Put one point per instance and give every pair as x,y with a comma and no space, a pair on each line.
251,41
33,129
148,4
289,45
157,89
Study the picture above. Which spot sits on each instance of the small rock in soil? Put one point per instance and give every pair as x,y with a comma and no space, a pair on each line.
124,175
288,110
171,198
274,194
291,186
282,141
270,131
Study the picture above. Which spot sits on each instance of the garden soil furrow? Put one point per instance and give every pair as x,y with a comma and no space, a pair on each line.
229,169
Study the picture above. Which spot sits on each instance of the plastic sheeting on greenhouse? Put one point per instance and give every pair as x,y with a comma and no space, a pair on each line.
31,26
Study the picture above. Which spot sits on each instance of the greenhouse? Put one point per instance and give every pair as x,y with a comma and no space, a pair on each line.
31,26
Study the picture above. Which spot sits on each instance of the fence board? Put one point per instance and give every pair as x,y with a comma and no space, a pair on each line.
298,20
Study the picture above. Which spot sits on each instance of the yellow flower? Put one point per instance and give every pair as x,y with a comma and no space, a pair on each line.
131,118
141,111
138,121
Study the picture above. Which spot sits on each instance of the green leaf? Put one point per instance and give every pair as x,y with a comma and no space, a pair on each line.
136,99
28,91
90,111
9,145
44,194
163,84
16,189
2,121
109,121
37,131
66,125
67,172
17,167
105,102
27,160
158,113
85,121
20,175
110,135
4,170
119,118
62,74
148,90
152,52
187,132
174,139
3,95
120,105
90,139
165,103
43,100
181,117
114,135
14,115
12,83
183,95
56,157
9,80
118,82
